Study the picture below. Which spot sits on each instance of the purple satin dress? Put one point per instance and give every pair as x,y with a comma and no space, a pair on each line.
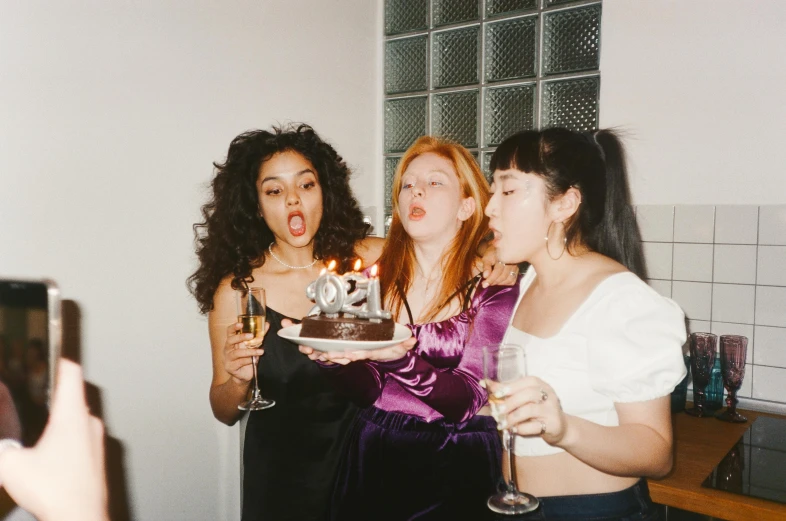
418,451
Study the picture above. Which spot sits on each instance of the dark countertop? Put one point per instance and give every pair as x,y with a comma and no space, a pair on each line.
700,444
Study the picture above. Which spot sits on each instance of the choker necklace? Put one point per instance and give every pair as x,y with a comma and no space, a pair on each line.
270,249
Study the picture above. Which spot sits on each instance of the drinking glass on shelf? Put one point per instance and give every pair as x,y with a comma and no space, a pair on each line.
702,357
733,349
251,313
713,393
506,363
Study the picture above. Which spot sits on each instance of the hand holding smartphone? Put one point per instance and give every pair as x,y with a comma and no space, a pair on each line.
30,337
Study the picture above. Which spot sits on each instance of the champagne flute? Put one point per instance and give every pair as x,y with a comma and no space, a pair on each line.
251,313
506,363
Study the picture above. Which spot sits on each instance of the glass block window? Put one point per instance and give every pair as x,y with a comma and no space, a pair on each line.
455,116
454,57
446,12
406,65
405,121
403,16
511,49
477,71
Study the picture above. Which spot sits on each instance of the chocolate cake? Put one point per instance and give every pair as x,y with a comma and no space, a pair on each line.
347,328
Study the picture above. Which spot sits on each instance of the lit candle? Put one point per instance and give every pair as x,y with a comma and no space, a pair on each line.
328,291
357,283
374,297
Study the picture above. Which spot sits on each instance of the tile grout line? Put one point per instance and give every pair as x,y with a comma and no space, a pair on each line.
755,287
712,276
673,226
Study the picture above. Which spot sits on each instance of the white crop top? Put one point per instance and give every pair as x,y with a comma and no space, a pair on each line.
623,344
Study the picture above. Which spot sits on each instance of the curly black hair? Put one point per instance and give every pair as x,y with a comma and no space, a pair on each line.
233,236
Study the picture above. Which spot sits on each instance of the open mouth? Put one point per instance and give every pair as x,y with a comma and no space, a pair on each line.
297,224
416,212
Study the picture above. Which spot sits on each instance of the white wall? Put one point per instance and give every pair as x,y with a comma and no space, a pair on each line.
110,116
699,85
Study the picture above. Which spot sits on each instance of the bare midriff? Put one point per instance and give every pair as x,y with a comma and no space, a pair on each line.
564,475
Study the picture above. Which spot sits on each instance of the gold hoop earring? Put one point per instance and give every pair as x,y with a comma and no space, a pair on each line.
564,242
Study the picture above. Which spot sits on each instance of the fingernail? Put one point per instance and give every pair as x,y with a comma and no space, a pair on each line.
8,444
502,424
502,409
514,430
502,392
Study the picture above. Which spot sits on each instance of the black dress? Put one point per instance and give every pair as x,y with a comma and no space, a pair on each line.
292,450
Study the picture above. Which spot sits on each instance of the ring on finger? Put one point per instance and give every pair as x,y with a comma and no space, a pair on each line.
542,427
543,395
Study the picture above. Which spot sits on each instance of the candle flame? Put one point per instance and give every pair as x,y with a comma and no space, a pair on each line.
374,270
357,265
331,265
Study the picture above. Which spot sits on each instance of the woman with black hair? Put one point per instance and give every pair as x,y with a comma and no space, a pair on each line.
604,350
281,207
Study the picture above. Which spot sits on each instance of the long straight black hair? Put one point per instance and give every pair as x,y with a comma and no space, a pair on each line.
594,164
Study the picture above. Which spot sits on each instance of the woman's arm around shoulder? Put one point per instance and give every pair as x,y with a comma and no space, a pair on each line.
232,370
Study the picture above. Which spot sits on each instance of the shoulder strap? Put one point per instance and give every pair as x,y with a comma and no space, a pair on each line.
406,304
469,285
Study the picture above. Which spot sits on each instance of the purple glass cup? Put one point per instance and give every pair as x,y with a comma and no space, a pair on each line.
702,358
733,350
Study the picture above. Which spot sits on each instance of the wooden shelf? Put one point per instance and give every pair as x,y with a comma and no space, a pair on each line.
700,444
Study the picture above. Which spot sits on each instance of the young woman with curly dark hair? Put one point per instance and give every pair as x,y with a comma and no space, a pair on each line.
281,206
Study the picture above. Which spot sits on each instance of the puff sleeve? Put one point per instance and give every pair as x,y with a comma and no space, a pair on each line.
635,344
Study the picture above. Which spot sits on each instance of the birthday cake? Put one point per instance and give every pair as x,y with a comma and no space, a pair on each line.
347,328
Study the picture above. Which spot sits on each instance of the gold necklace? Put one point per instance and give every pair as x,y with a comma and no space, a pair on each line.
428,281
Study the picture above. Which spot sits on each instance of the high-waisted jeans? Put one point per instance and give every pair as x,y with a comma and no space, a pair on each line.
630,504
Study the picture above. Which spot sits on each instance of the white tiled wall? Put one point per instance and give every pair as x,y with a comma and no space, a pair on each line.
726,266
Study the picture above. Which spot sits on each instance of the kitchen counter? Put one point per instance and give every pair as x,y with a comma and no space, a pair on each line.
700,444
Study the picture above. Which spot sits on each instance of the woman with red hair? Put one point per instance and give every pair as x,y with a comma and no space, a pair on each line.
419,450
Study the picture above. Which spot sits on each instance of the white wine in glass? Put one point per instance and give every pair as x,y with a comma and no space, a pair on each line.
501,364
251,314
254,324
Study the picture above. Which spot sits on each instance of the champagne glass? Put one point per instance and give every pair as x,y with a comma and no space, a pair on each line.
733,349
501,364
251,313
702,358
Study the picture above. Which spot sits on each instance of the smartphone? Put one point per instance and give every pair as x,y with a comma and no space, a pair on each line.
30,342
